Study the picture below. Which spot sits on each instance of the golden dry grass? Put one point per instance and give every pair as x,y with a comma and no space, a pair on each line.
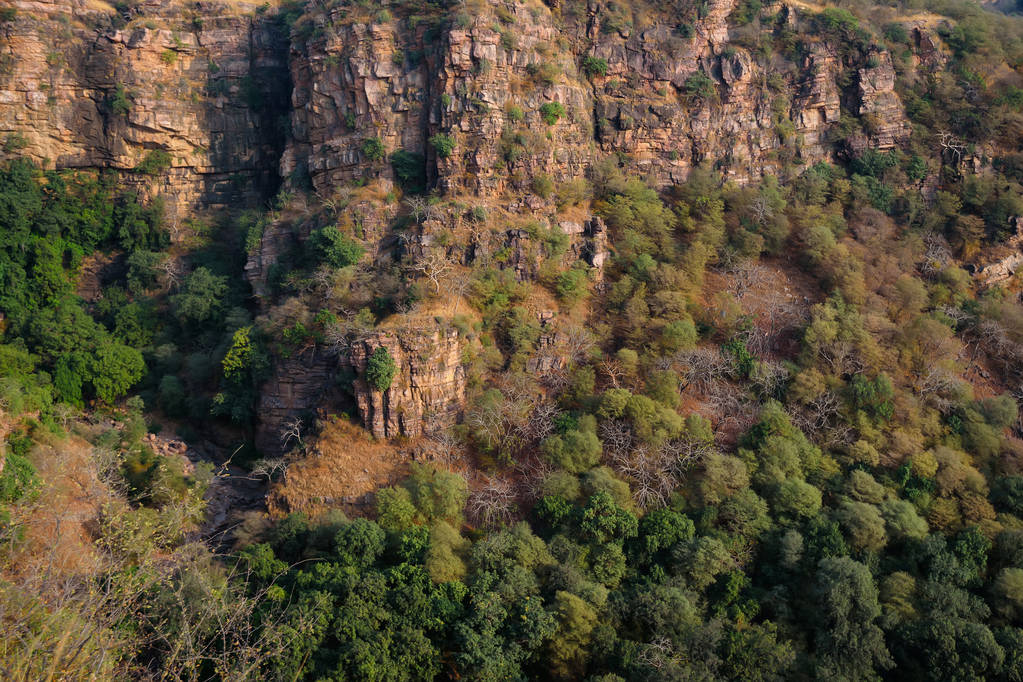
343,466
57,525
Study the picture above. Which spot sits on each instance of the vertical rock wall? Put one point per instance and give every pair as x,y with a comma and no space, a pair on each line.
207,86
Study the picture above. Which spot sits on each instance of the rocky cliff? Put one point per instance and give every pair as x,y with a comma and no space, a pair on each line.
523,90
426,392
190,93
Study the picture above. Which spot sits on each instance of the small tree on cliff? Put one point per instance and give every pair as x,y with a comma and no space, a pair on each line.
380,369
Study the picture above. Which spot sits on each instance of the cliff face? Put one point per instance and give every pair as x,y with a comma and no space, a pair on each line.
206,83
485,84
514,88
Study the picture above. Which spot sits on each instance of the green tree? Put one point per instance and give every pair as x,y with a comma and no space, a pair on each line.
568,646
849,644
201,298
115,369
380,369
335,249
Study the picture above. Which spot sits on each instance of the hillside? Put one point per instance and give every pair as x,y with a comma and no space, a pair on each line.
511,340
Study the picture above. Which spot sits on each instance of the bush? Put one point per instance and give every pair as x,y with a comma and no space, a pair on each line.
373,148
154,163
551,112
543,186
410,171
700,86
380,369
443,144
571,285
336,249
595,66
120,101
546,73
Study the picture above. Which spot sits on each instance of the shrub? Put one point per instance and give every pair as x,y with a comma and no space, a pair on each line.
443,144
571,285
546,73
335,248
410,171
543,186
168,57
15,142
154,163
699,85
120,101
380,369
515,113
373,148
551,112
595,66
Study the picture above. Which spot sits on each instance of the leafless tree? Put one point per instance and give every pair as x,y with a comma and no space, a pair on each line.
442,446
951,147
433,265
533,470
743,276
699,367
291,430
268,468
540,424
954,313
457,285
937,253
493,503
420,208
171,272
613,370
616,435
732,405
652,475
658,654
576,341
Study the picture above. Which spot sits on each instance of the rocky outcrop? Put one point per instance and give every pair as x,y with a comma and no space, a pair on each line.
204,86
428,388
301,384
879,106
511,92
1000,263
427,391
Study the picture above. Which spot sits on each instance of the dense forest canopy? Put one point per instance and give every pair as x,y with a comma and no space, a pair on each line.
780,437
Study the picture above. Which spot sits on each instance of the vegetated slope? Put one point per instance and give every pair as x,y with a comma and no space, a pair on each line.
695,329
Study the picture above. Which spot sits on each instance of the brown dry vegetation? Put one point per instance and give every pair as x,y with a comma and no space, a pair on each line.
58,527
341,468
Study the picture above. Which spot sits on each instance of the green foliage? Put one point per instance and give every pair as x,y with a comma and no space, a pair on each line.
332,247
410,171
120,101
380,369
594,66
443,144
700,86
18,478
155,162
201,298
373,149
551,112
576,450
